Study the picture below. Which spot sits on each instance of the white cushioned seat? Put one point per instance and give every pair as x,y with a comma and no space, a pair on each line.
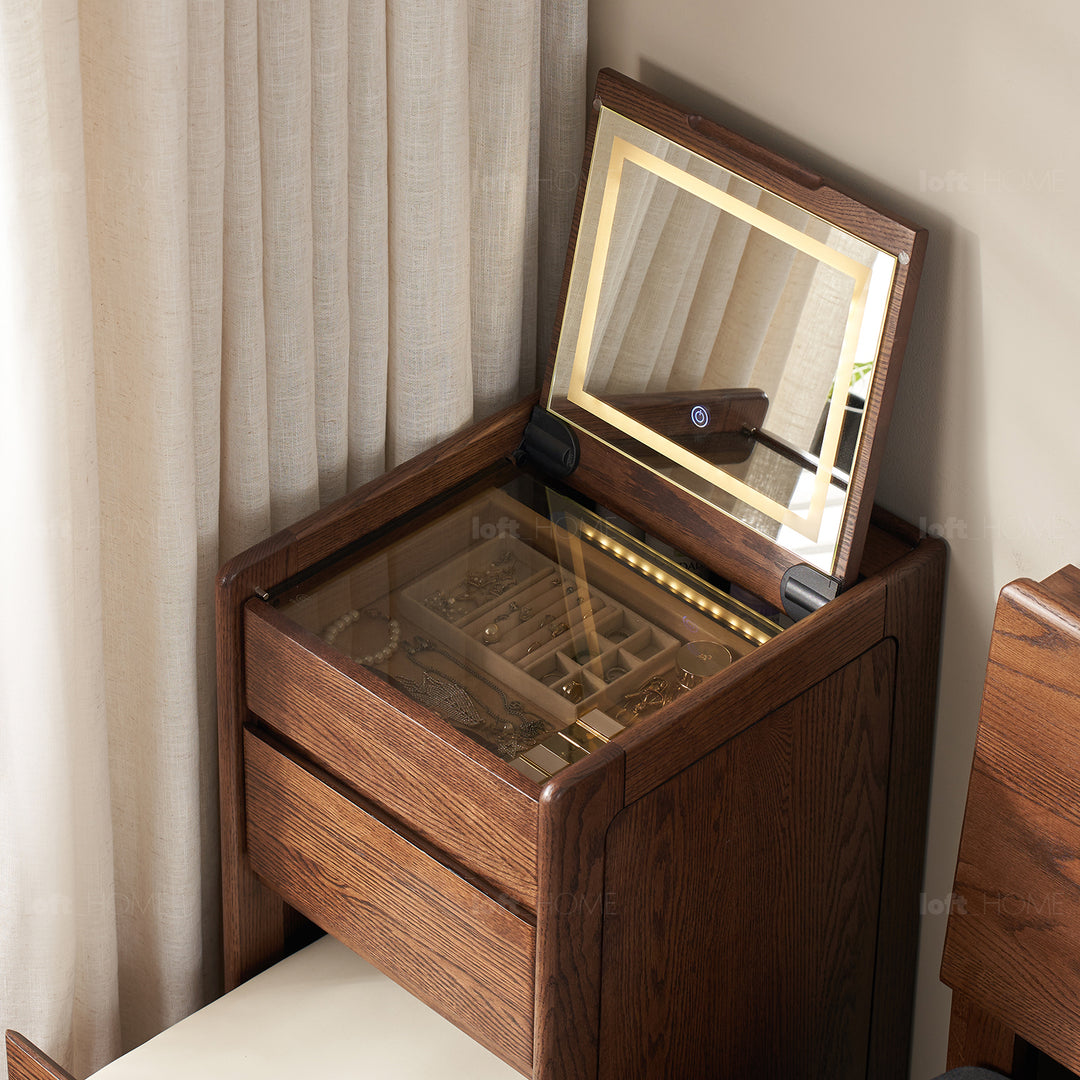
321,1012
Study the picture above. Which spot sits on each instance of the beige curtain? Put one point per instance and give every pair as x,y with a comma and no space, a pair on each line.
253,252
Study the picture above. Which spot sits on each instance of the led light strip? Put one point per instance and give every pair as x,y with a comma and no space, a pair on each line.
671,584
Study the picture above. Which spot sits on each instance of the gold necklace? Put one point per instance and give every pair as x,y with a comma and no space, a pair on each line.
515,730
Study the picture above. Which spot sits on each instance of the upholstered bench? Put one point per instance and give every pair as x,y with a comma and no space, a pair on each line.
321,1012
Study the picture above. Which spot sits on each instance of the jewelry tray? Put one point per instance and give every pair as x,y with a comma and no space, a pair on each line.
541,633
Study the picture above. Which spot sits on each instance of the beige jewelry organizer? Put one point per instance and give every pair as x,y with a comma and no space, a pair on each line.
530,636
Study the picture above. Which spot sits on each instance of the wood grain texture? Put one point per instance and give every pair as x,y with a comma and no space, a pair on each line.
730,547
576,808
743,896
879,407
978,1039
258,926
451,791
914,596
432,931
660,746
26,1062
1013,934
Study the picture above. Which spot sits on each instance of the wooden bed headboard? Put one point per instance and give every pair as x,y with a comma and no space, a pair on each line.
1012,948
26,1062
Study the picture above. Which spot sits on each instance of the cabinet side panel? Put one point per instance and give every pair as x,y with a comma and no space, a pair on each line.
743,896
914,590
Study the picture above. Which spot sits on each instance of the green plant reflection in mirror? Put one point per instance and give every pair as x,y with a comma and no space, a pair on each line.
708,326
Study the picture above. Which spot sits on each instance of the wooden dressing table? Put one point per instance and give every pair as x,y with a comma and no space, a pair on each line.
478,720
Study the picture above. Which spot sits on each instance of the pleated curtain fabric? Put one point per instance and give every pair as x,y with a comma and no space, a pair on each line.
58,895
253,254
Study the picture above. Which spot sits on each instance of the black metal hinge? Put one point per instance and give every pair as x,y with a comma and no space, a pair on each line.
805,589
549,443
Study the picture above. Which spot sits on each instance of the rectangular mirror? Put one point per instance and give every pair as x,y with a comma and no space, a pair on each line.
722,335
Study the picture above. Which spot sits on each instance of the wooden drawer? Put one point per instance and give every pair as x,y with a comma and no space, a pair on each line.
430,777
423,924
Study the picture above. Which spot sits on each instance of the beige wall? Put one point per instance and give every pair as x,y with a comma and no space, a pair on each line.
961,115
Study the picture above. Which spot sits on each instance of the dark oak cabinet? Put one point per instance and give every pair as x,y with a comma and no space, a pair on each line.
604,727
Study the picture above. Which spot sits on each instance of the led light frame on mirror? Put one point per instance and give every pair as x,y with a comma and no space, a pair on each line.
872,287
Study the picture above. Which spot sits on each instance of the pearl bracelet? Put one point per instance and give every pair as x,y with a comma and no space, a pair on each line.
343,622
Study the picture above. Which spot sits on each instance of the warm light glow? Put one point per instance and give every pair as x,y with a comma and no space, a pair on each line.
672,585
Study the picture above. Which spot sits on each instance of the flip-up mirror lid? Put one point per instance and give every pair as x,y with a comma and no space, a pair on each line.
732,326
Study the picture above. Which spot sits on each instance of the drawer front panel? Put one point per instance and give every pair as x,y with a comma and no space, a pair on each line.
394,760
425,926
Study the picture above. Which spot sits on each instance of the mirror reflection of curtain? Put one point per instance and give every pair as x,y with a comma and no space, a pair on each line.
692,331
254,253
697,299
640,210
